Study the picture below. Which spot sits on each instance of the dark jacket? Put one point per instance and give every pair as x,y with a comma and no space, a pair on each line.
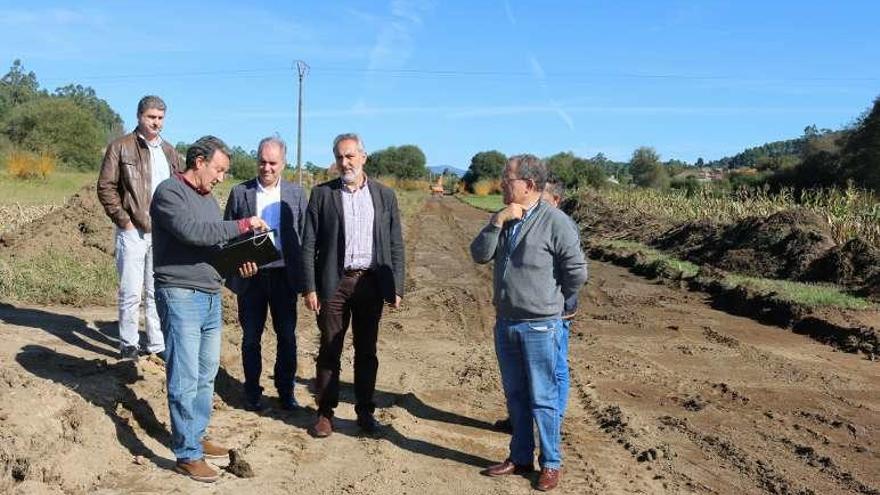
125,181
242,203
324,240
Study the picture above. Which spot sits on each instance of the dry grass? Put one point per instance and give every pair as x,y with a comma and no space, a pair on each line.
24,165
486,187
850,212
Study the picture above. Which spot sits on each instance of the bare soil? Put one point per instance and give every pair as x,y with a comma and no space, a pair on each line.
668,395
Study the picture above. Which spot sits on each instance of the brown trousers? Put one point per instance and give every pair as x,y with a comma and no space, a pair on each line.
358,300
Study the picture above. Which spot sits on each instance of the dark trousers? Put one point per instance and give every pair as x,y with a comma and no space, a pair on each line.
268,289
357,300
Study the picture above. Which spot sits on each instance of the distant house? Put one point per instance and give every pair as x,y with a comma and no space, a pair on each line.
702,174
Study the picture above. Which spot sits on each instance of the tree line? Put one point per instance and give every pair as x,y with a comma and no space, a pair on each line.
71,123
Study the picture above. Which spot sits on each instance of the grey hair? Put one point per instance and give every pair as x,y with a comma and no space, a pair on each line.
555,188
205,147
277,141
530,167
150,101
346,137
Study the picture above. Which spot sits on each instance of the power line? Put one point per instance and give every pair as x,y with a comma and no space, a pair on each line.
447,73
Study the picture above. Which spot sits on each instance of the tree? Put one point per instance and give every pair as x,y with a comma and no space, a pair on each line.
562,167
85,97
646,169
17,87
484,165
404,162
243,165
58,126
860,161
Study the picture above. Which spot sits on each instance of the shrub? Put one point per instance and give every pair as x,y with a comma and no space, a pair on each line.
25,165
483,187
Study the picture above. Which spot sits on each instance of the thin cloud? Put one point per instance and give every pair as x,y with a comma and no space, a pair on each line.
541,76
509,11
394,43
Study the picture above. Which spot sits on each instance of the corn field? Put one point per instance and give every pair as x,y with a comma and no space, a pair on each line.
850,212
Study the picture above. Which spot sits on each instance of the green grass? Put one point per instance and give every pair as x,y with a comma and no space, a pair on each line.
56,277
809,295
54,190
492,202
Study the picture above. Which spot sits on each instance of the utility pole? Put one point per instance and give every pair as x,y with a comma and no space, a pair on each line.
302,68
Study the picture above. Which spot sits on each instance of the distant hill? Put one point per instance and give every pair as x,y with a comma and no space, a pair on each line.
751,156
438,169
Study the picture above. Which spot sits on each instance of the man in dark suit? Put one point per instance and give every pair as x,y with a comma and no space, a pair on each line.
282,205
353,262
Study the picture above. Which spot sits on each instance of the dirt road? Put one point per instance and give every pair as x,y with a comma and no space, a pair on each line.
668,396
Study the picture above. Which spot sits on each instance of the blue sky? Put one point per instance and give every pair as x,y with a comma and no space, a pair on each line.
690,78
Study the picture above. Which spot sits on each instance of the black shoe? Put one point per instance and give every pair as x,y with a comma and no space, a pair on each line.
504,426
253,405
368,423
289,403
129,353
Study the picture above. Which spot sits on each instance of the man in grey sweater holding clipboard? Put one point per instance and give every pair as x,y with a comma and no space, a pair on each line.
187,227
282,205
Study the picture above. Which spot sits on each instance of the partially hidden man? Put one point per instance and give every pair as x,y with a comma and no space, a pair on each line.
132,168
282,205
353,263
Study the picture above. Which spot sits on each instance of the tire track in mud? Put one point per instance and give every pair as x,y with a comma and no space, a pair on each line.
709,385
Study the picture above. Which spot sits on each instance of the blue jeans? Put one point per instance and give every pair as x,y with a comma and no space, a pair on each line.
562,379
269,289
191,323
527,355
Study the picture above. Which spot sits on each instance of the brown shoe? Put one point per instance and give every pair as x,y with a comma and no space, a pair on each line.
507,467
549,479
198,470
214,450
322,428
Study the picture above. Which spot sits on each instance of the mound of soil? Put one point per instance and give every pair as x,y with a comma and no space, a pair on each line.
597,217
855,264
80,226
783,245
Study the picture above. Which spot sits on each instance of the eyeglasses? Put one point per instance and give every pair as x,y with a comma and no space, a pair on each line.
508,180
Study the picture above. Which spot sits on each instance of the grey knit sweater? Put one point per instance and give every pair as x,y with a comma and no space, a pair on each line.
187,227
544,267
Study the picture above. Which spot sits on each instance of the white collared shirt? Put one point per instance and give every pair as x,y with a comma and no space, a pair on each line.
358,214
269,209
159,167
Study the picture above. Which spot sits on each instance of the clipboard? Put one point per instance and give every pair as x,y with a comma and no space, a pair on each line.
252,246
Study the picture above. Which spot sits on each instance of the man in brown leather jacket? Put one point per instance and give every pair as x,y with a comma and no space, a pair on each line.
132,168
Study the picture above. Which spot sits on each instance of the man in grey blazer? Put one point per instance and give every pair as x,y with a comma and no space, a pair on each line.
353,262
282,205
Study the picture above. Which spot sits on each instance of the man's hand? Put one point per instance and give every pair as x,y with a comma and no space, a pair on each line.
513,211
257,224
396,304
312,302
248,269
569,315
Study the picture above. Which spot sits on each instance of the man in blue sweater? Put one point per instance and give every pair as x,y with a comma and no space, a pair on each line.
538,265
187,227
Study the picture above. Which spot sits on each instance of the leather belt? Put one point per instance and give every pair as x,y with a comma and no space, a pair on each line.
356,272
